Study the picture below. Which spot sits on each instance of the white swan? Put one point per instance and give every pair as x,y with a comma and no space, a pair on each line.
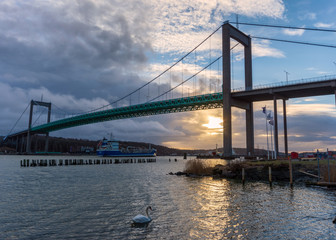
141,219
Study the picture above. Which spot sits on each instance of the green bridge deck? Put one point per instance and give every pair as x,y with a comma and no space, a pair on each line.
207,101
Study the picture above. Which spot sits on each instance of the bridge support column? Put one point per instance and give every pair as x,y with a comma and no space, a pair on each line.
46,148
285,126
17,144
249,131
249,112
276,142
227,124
229,32
22,143
29,126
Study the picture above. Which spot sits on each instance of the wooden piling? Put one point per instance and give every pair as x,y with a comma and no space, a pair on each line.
270,175
290,172
67,162
243,176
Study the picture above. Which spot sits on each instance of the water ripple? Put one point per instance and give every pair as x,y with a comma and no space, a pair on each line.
99,201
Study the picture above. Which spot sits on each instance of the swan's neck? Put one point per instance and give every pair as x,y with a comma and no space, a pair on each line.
147,212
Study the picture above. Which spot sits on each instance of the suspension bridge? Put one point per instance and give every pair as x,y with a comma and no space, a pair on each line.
203,78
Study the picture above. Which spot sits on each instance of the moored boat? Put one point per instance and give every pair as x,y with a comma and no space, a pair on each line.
111,148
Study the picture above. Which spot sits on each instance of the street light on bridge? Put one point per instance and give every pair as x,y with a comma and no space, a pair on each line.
286,75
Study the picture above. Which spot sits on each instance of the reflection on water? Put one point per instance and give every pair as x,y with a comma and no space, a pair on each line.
99,202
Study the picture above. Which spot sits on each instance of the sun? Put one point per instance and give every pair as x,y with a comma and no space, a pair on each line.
214,123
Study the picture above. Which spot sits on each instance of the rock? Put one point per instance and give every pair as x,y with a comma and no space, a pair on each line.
180,173
218,169
228,174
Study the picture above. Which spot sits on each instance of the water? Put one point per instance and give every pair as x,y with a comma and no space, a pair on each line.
99,201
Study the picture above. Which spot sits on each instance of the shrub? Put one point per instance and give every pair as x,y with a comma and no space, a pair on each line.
197,167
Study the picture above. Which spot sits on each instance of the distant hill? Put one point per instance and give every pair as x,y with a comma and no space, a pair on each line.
79,146
76,146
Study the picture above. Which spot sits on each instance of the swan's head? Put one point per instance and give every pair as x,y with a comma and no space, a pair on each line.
149,208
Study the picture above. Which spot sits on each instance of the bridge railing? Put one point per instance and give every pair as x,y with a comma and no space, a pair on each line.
285,83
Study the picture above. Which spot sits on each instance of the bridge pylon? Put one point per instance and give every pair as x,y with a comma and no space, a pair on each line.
228,32
39,103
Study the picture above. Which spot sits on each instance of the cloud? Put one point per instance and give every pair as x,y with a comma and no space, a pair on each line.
81,48
311,69
124,130
304,15
97,48
314,109
323,25
263,49
294,32
175,20
81,55
319,136
260,48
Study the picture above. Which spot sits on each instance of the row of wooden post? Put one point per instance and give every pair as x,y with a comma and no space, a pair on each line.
67,162
270,174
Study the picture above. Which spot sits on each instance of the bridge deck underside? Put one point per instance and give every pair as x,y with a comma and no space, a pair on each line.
287,92
201,102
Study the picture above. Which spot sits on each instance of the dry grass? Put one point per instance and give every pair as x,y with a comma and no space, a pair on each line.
198,167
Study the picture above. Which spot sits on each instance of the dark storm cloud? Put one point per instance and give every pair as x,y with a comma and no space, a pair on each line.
307,129
67,48
312,128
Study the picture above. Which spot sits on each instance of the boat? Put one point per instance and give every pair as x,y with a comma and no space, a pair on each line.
111,148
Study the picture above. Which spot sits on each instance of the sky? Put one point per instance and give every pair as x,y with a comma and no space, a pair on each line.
81,55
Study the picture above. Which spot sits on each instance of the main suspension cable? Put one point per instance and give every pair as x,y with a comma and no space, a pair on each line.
289,27
17,121
297,42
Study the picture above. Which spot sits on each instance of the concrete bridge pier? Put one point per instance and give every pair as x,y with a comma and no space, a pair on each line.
285,126
276,137
29,126
276,132
17,144
22,143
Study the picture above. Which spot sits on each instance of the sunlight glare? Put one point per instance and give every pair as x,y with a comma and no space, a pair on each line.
214,123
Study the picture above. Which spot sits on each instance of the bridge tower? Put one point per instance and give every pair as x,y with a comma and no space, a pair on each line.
228,32
39,103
